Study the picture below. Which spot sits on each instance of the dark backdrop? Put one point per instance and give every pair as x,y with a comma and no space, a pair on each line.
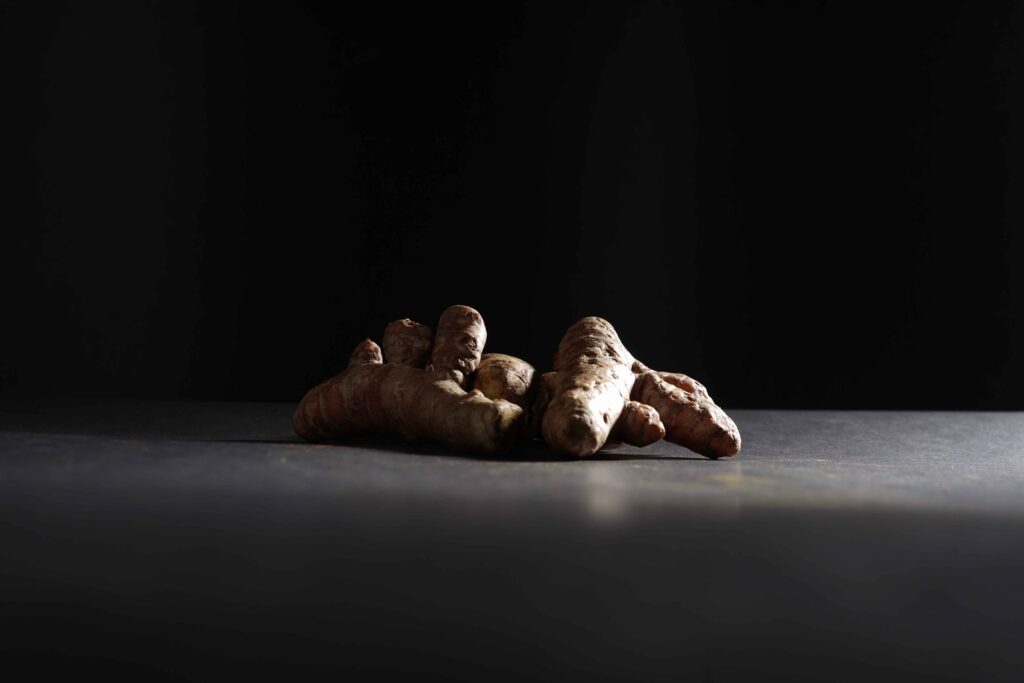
802,204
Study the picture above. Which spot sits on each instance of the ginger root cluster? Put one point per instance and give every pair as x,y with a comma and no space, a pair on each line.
440,387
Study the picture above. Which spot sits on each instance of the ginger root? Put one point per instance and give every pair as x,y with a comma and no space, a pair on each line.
599,391
442,388
409,397
499,376
408,343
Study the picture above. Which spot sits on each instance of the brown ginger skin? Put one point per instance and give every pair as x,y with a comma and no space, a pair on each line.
407,343
397,397
513,379
638,425
499,376
506,377
691,418
600,391
458,344
594,378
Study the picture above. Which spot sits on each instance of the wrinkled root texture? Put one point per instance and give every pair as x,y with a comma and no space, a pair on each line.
599,391
397,399
402,397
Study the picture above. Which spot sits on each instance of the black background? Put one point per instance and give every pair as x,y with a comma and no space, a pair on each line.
801,204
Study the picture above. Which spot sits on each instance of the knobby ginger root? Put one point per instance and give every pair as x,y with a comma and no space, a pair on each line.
499,376
599,391
638,425
404,396
408,343
442,388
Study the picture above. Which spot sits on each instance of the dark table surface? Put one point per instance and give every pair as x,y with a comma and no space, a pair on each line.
203,540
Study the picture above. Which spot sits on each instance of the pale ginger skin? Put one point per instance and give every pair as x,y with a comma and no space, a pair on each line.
599,391
499,376
403,397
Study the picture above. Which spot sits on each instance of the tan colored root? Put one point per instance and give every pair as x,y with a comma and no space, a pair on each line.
458,344
310,419
505,377
370,397
600,391
513,379
691,418
638,425
593,381
366,353
407,343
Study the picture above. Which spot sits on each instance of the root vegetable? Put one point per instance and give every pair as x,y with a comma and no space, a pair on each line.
691,418
442,388
506,377
407,343
600,390
499,376
638,425
397,397
458,344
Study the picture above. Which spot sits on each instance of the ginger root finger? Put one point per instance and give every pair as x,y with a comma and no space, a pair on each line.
723,438
638,425
499,376
308,420
506,377
593,380
366,353
407,343
458,344
691,418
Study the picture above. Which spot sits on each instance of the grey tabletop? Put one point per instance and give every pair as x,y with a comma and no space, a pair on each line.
203,539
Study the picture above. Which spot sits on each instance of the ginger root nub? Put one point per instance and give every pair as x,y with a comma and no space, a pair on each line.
512,379
366,353
505,377
691,419
458,344
593,381
407,343
638,425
